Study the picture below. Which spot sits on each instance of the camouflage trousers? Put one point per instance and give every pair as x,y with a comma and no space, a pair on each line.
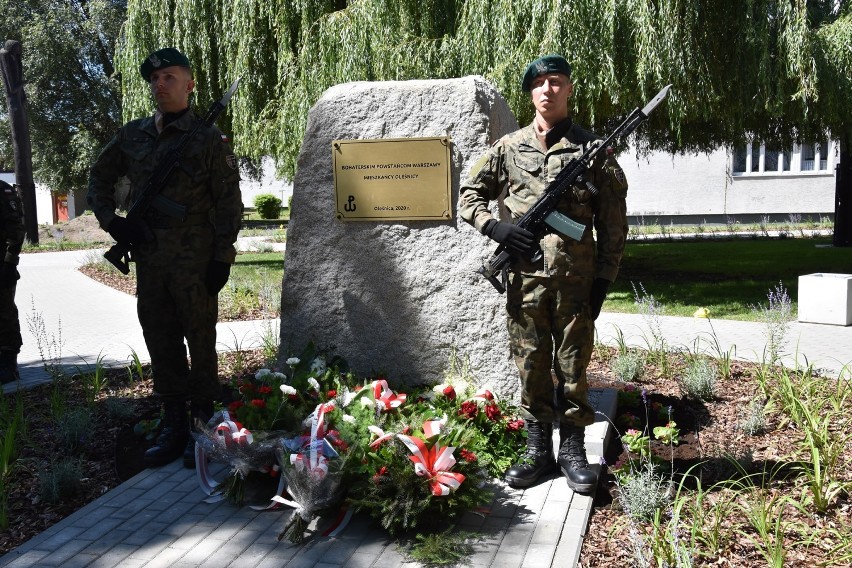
550,329
173,305
10,325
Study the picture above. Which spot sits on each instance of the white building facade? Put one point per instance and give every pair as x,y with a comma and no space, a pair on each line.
743,184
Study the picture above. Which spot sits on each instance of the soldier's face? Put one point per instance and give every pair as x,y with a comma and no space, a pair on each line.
550,94
170,87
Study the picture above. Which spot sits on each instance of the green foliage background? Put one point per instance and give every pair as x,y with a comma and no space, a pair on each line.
73,98
778,69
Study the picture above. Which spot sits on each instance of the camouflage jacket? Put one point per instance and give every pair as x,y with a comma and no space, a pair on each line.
12,217
206,182
516,171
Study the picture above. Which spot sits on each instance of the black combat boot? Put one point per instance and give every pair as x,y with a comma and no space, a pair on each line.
172,439
538,460
572,459
9,366
200,412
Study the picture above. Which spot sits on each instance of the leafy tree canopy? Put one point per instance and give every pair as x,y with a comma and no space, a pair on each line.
775,69
73,104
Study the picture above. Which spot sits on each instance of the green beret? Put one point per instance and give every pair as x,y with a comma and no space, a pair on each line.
544,65
166,57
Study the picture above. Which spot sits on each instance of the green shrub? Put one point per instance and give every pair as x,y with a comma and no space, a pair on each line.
628,367
268,206
699,380
61,480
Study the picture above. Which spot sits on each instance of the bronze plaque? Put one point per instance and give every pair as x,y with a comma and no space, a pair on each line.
392,178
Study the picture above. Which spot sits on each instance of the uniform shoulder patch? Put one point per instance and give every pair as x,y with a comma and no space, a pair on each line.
231,160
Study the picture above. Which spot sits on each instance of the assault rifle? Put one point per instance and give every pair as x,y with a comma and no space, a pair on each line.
543,212
119,254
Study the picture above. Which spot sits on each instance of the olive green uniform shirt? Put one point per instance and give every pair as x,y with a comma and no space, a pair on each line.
206,182
517,169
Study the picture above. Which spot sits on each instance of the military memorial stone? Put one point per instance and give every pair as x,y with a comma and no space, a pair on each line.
391,295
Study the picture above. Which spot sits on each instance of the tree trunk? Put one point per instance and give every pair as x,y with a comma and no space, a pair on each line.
13,77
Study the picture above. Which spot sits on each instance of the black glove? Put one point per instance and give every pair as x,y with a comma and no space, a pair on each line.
596,298
515,238
9,275
126,231
217,275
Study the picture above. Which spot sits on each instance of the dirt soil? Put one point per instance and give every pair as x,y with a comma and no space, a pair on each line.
82,229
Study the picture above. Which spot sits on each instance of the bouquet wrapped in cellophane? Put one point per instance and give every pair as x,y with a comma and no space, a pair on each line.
313,466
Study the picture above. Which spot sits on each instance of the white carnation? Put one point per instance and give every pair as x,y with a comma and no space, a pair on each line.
293,361
318,366
287,390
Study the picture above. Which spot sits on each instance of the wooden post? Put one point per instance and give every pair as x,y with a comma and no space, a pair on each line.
13,78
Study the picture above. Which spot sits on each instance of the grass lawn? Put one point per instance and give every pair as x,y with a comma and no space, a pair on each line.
727,277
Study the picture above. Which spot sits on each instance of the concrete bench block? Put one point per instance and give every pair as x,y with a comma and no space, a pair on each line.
825,298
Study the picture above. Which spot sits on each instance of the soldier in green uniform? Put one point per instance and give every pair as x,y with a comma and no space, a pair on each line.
181,262
551,303
12,217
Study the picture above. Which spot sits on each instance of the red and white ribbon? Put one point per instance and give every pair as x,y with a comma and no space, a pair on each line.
433,463
385,397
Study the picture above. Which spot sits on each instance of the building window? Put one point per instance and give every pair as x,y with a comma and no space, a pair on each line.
808,156
756,159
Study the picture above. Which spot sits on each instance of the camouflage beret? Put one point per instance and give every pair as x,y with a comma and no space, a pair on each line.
166,57
544,65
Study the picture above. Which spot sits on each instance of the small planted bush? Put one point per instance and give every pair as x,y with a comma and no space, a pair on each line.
267,205
699,380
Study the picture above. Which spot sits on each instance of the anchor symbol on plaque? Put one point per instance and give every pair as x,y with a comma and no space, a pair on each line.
350,205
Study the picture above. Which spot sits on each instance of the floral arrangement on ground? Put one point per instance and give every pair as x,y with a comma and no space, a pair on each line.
414,461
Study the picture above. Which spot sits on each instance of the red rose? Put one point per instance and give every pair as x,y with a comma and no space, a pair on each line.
468,456
468,409
258,403
264,389
514,425
449,392
331,394
492,411
235,405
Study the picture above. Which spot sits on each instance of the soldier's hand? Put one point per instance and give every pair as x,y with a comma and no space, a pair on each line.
126,231
596,299
9,275
217,276
514,237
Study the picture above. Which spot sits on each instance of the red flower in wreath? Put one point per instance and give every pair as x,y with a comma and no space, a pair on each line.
258,403
468,409
449,392
492,411
467,456
264,389
235,405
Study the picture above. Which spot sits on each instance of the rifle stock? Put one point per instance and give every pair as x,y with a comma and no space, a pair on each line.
543,211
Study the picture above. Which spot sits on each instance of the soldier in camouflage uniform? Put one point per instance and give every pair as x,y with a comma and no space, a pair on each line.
181,263
551,303
13,238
